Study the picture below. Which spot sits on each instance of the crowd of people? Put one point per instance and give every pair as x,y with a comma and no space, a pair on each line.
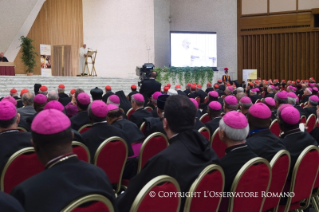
243,115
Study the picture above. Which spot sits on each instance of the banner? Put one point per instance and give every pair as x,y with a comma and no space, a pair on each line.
249,74
45,52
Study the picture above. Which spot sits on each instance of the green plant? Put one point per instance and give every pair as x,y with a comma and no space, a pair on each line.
28,54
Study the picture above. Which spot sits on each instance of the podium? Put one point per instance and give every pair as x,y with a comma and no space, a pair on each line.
90,55
7,68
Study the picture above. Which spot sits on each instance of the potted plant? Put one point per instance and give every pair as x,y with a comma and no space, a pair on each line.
28,54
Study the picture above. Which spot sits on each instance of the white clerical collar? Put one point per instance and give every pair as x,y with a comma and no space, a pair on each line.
101,122
174,135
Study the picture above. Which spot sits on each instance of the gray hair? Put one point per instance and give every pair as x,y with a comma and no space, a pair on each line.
234,134
43,92
231,107
53,95
240,90
112,103
139,103
27,98
60,89
269,87
291,100
253,92
307,89
312,102
280,101
245,105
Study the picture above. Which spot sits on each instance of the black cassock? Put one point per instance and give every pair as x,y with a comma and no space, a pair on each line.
3,59
130,129
311,110
138,116
56,187
301,110
62,95
106,96
80,119
12,141
213,125
264,144
186,156
305,99
154,125
9,204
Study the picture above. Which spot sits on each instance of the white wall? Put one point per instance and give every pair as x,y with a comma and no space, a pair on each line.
218,16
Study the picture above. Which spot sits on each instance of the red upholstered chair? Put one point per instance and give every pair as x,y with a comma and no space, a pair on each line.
263,94
204,118
303,119
129,113
153,144
302,105
217,145
222,114
148,108
111,157
274,127
311,122
303,178
254,176
206,99
92,202
258,100
302,97
205,132
84,128
121,109
150,198
223,96
210,179
198,100
143,128
81,151
21,165
280,165
21,129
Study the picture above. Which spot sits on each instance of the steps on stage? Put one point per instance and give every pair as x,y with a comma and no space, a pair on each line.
86,83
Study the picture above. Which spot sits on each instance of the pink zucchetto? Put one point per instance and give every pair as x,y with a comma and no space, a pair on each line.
40,99
10,99
84,98
138,97
283,107
99,108
260,110
231,88
213,94
310,89
214,105
282,95
315,89
235,120
231,100
270,101
290,115
49,122
291,94
245,100
272,86
314,98
156,94
7,110
115,99
112,107
54,105
195,102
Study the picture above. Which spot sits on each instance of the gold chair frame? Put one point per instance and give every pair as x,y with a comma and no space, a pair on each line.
148,107
76,143
208,169
89,198
84,126
239,175
204,128
142,125
212,137
303,116
22,128
312,115
140,157
11,159
206,114
146,189
121,109
128,112
99,149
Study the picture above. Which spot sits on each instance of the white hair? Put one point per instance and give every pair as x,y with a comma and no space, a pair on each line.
240,90
43,92
172,92
234,134
307,89
253,92
245,105
53,95
291,100
139,103
312,102
112,103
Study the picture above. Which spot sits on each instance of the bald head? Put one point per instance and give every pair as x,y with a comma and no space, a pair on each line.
27,98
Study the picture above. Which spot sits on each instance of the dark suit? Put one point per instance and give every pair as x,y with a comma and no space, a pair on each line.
193,95
187,91
213,125
19,102
154,125
181,93
26,112
9,204
3,59
301,110
209,90
63,95
305,99
154,112
138,116
272,95
65,100
106,96
80,119
254,98
56,187
202,95
311,110
148,87
130,129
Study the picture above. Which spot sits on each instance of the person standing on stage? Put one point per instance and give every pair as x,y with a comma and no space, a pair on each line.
226,78
82,54
3,58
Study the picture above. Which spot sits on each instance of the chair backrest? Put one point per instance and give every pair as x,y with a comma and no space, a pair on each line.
204,118
151,197
258,100
143,127
148,108
311,122
211,179
254,176
111,156
153,144
274,127
304,175
223,96
302,97
198,100
303,119
81,151
205,132
98,203
302,105
21,129
84,128
280,165
130,112
206,99
217,145
21,165
121,109
263,94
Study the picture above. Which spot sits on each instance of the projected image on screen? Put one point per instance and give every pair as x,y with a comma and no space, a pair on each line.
193,49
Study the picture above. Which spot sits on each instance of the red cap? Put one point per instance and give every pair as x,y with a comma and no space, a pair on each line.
13,90
293,82
228,84
108,87
177,86
168,85
166,88
298,80
61,86
133,87
72,91
199,86
216,86
43,88
209,83
23,91
188,84
225,69
193,87
220,80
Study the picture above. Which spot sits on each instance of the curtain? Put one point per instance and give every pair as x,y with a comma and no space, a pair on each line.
67,60
57,61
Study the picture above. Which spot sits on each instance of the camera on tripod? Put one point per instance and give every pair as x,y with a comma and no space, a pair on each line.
144,72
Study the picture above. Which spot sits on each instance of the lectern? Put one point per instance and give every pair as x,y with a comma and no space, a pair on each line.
7,68
92,55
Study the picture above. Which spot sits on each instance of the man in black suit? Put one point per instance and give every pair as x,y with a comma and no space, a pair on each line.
150,86
133,91
193,94
270,91
253,95
306,95
188,89
14,94
108,92
214,110
201,93
140,113
28,110
10,204
179,90
66,100
311,107
3,58
65,177
61,89
292,100
81,118
209,88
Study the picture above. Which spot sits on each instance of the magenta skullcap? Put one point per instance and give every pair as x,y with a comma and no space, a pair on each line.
112,107
231,88
40,99
270,101
283,106
10,99
282,95
253,90
49,122
115,99
138,97
291,94
231,100
290,115
260,110
314,98
245,100
213,94
156,94
215,105
84,98
310,89
7,110
99,108
195,102
277,88
272,86
315,89
54,105
235,120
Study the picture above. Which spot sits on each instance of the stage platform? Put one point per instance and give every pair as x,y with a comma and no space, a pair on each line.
86,83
